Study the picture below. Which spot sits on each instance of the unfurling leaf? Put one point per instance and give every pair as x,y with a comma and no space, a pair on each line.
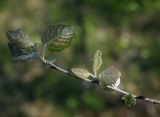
97,61
20,45
129,100
81,72
110,76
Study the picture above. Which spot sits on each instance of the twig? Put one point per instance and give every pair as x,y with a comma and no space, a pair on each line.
148,99
53,66
137,97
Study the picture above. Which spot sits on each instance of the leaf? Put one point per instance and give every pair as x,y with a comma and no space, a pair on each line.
110,76
20,45
81,72
129,100
58,37
97,61
19,37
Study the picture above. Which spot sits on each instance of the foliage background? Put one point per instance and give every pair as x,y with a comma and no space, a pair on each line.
127,32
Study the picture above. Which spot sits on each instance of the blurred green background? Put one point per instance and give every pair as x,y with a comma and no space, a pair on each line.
128,33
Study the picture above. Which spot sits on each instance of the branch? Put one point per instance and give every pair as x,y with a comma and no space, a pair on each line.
53,66
137,97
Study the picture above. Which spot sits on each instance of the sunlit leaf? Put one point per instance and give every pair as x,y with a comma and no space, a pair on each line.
81,72
129,100
110,76
97,61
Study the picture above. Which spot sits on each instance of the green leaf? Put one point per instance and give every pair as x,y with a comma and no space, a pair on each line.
20,45
110,76
97,61
58,37
129,100
81,72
